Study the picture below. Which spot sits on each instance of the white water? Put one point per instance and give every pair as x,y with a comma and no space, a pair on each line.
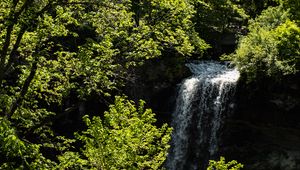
203,100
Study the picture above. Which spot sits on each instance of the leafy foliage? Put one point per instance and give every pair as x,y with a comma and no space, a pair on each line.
57,47
293,7
218,16
254,7
56,53
222,165
19,154
126,139
271,48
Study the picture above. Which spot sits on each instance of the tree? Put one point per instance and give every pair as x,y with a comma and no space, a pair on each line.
218,15
255,7
271,49
52,48
125,139
61,51
216,19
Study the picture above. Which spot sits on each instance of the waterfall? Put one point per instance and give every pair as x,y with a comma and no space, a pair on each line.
203,100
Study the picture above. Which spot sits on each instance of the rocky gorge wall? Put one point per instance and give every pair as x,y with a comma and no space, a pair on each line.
156,82
264,132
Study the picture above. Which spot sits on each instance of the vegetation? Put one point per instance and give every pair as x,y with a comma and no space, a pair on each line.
222,165
126,139
56,54
272,46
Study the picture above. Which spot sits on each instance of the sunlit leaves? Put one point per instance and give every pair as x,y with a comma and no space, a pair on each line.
269,19
170,24
12,147
288,35
55,50
126,138
271,48
72,160
223,165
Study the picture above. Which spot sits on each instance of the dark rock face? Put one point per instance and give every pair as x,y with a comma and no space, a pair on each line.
156,83
262,147
264,132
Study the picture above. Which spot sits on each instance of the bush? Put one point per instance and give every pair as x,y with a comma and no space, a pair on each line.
222,165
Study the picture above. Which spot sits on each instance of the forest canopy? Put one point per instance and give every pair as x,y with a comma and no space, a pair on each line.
57,54
272,46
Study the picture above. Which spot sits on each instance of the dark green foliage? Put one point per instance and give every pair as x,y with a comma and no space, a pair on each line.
293,7
217,22
255,7
218,15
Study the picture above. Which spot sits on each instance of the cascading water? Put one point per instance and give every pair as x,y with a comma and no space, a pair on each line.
203,100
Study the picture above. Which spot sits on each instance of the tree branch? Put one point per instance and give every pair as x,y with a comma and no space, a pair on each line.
13,53
14,19
19,38
24,90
